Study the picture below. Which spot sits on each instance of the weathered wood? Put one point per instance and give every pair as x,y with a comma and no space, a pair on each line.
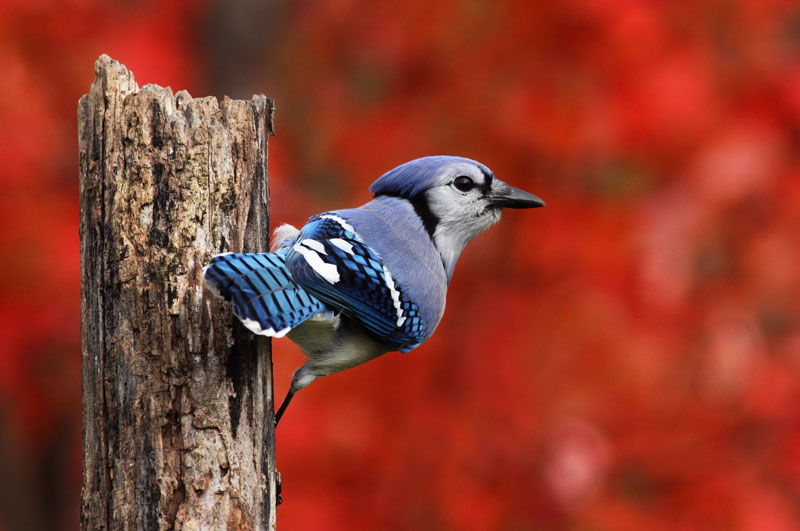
177,398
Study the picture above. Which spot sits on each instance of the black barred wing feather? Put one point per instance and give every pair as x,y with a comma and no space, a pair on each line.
264,296
331,262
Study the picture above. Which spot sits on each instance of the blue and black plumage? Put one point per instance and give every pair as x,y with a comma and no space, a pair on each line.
262,291
364,289
353,284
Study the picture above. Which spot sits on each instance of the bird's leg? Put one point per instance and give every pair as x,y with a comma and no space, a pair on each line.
284,405
301,378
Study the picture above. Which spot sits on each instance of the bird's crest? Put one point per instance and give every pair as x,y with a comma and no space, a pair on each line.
414,177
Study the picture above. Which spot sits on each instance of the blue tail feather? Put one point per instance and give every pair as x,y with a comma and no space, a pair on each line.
264,296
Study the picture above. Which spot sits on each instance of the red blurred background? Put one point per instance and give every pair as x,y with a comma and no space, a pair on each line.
626,358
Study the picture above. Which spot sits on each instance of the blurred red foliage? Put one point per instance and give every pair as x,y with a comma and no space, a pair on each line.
626,358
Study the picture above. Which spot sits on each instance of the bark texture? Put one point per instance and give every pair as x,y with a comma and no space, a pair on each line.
177,398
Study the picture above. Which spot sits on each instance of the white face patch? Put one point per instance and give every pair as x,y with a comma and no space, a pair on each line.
461,215
309,249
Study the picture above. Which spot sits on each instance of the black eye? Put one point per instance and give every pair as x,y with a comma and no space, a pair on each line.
463,183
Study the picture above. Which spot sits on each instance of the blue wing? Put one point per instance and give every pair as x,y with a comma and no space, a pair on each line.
331,262
262,291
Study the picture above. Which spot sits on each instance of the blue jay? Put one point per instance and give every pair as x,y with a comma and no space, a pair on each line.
356,283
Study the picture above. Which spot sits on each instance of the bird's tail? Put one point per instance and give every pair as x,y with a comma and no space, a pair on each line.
264,296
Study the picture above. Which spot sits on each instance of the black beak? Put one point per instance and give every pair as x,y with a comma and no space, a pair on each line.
505,196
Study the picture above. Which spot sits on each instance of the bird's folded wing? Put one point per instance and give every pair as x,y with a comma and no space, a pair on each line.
331,262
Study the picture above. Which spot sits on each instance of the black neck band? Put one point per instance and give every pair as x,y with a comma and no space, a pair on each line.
420,204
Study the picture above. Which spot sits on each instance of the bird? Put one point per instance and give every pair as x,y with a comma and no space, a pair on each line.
353,284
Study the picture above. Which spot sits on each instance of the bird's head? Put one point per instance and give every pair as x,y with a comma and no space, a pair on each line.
456,198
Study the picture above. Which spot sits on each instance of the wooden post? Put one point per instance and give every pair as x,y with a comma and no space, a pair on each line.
177,398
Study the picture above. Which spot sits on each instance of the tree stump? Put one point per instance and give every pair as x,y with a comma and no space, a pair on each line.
177,397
